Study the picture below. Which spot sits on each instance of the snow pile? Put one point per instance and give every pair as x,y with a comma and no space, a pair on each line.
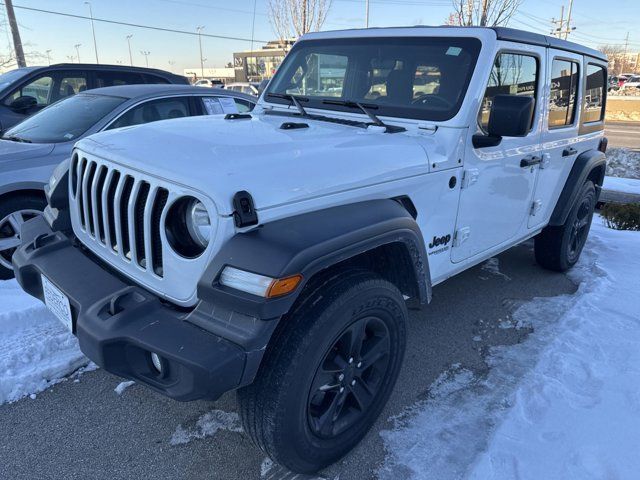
563,404
207,425
36,351
493,267
622,162
622,185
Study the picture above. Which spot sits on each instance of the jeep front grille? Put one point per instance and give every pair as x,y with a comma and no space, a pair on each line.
121,212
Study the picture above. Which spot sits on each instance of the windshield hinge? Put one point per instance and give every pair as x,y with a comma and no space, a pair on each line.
244,213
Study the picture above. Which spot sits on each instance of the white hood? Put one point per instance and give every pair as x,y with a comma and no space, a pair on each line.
220,157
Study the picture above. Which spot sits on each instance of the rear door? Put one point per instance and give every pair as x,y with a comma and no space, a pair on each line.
496,193
561,142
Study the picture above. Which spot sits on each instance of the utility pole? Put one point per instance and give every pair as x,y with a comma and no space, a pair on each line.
77,47
15,33
146,54
557,32
93,30
199,30
626,52
48,52
129,43
253,25
366,14
569,29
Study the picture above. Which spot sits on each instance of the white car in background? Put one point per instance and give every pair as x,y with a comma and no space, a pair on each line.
244,87
632,82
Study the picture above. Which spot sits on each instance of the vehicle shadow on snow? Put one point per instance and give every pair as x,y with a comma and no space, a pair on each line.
85,428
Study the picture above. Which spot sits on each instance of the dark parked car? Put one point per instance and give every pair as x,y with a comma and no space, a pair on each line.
30,151
24,91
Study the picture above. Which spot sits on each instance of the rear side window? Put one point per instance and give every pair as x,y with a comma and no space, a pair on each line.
148,78
564,90
594,95
512,74
112,79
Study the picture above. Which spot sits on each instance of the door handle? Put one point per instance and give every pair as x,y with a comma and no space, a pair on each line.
530,161
569,152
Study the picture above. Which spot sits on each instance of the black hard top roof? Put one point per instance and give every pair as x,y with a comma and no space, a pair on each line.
530,38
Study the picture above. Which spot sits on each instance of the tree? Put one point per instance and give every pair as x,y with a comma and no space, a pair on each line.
485,13
617,58
294,18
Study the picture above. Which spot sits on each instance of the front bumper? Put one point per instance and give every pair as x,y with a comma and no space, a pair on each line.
119,324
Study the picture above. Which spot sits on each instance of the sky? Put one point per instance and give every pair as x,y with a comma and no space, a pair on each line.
174,51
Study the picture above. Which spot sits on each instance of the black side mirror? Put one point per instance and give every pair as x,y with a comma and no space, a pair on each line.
510,116
23,103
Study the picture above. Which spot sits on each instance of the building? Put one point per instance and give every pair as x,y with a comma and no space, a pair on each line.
257,65
620,63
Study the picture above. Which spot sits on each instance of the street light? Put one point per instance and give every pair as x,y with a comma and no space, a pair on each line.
129,43
146,54
70,58
77,47
48,52
171,64
199,30
93,30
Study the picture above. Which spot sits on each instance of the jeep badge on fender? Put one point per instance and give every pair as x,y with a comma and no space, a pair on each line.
274,253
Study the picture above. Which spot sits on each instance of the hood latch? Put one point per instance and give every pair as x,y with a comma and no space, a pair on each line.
245,214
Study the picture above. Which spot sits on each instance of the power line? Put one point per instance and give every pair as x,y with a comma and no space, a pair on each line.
134,25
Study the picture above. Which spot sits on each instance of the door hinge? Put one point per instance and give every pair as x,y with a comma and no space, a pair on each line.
461,236
469,177
535,207
245,213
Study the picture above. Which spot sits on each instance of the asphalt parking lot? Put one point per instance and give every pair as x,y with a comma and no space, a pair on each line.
83,429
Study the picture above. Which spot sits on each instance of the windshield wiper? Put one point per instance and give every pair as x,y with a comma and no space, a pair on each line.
295,101
13,138
363,107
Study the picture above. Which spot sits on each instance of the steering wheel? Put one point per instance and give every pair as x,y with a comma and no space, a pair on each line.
427,98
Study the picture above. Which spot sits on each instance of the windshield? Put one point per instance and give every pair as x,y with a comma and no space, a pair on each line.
11,76
65,120
423,78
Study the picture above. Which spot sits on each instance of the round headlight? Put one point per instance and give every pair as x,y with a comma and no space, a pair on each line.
199,223
188,227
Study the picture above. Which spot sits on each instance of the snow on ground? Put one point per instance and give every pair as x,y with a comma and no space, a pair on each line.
206,426
36,350
624,185
122,386
565,403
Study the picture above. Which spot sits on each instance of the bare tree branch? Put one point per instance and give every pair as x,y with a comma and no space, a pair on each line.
293,18
486,13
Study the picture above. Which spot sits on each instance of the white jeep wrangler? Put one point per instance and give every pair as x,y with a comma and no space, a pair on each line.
275,253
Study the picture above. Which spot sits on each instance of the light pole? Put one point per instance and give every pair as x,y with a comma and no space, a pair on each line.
70,58
129,43
77,47
146,54
93,30
48,52
199,30
366,16
171,64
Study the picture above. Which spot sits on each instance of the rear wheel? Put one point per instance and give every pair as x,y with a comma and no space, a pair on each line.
14,211
328,372
559,247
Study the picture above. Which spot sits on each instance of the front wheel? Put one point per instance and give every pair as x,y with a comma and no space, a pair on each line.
559,247
328,372
14,212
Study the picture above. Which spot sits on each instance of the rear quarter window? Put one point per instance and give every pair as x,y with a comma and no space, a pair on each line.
595,93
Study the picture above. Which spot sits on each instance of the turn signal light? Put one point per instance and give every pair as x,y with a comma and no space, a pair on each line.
283,286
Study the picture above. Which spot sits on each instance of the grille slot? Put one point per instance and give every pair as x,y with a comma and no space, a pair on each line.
120,212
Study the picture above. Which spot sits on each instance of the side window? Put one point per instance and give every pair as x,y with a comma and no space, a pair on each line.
68,86
564,90
40,89
148,78
243,105
110,79
512,74
153,111
595,94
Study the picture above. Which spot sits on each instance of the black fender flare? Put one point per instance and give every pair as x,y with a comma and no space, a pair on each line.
308,243
583,167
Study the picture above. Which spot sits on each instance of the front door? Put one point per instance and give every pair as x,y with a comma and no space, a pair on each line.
497,187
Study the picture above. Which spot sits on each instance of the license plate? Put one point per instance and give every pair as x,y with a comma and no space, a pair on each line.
57,302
